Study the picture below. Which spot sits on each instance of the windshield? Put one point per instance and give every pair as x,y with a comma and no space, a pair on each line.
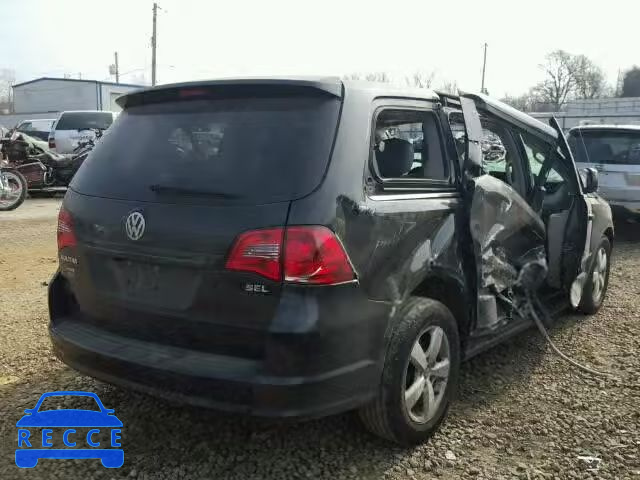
256,150
606,146
84,120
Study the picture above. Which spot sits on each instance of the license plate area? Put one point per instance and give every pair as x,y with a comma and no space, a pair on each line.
138,278
159,285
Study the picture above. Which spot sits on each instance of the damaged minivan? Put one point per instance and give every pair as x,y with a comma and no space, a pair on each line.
303,247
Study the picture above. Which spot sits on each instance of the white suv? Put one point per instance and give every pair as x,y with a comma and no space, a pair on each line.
73,127
613,150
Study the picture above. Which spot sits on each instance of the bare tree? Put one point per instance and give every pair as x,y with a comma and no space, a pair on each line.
7,79
370,77
527,102
520,102
420,79
377,77
589,78
560,81
449,86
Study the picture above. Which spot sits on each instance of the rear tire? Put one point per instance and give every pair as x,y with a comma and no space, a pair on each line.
595,288
414,361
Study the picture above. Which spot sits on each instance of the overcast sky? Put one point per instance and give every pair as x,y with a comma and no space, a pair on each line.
206,39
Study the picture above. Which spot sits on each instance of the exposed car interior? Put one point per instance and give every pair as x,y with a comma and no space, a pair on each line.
407,143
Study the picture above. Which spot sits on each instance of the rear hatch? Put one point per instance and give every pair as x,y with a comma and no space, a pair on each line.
158,204
615,153
74,127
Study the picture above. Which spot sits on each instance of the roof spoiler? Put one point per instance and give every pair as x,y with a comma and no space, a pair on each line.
223,88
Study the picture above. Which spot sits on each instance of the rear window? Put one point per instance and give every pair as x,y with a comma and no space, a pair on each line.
256,150
606,147
84,120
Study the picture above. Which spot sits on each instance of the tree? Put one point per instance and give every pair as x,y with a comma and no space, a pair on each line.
449,86
420,79
522,102
631,83
370,77
7,79
589,78
555,89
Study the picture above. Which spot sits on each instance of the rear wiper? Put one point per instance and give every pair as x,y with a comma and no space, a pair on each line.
157,188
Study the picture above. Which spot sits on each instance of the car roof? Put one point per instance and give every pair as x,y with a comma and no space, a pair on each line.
332,85
38,120
606,127
86,111
515,116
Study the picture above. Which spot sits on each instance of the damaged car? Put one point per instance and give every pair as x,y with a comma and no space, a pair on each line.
304,247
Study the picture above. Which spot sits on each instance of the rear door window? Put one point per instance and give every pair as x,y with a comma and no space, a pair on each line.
408,145
84,120
606,147
249,150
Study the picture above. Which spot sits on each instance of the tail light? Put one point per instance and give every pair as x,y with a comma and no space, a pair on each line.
52,143
258,251
66,233
311,255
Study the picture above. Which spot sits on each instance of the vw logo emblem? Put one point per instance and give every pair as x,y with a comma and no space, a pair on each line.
134,226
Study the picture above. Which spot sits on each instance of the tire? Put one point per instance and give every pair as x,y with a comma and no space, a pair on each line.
595,289
14,177
389,415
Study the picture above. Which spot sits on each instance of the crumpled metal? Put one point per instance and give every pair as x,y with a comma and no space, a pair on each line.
498,218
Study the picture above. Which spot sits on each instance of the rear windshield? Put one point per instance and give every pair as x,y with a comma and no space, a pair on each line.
84,120
257,150
606,147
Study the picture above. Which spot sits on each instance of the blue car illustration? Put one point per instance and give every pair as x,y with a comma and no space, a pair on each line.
32,446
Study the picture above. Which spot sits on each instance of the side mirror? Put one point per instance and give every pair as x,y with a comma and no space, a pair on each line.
590,180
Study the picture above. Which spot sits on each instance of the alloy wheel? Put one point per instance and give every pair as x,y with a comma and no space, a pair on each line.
599,276
426,374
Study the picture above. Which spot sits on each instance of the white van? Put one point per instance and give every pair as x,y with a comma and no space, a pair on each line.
75,126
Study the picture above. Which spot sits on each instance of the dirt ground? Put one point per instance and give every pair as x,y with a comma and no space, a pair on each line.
521,411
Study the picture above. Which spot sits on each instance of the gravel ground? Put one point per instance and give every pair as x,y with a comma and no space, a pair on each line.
521,412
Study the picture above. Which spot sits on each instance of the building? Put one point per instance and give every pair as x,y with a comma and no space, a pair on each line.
46,97
609,111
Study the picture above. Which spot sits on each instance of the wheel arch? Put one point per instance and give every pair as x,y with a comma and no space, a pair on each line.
608,232
452,293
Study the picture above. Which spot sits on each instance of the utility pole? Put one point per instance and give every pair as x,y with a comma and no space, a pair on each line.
484,67
153,45
117,69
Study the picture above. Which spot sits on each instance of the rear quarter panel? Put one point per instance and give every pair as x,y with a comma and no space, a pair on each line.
394,245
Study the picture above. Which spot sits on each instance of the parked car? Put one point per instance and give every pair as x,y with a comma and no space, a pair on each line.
613,150
310,259
72,128
39,128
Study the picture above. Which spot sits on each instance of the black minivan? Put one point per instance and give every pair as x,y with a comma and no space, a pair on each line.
302,247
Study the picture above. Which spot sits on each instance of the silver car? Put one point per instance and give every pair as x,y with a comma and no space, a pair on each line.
613,150
79,126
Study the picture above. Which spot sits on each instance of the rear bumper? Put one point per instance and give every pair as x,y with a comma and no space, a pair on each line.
334,378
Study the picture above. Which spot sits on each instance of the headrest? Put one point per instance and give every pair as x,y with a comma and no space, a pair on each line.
396,158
